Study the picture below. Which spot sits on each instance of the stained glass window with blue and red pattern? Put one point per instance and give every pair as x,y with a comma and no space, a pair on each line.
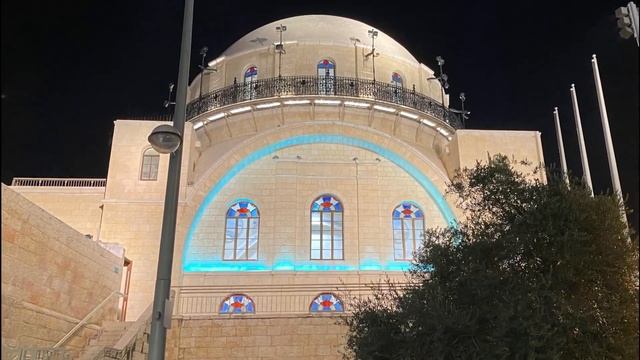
326,77
408,229
250,77
237,304
241,232
396,79
326,303
326,229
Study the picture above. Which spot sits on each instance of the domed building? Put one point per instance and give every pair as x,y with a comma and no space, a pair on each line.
314,159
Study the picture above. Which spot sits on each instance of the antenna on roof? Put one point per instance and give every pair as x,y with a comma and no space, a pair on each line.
280,47
373,34
168,101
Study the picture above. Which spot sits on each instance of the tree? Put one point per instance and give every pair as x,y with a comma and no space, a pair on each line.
536,271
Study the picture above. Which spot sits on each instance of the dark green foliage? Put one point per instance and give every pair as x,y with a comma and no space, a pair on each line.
537,271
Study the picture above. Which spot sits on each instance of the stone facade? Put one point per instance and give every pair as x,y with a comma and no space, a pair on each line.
299,338
52,276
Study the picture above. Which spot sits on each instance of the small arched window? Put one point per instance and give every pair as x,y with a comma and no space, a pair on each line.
241,232
326,302
326,229
397,84
326,77
237,304
408,229
250,77
150,162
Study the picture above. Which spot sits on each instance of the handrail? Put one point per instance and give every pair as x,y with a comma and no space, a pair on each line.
85,319
309,85
58,182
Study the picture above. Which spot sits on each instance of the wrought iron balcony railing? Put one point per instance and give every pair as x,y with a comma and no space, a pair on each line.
322,86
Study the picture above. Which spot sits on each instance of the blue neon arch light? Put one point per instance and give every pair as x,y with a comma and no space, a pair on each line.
289,264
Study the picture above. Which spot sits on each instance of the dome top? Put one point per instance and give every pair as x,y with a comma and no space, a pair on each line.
319,29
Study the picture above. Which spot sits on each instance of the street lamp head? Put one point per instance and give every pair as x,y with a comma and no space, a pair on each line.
440,60
462,97
165,139
373,33
204,50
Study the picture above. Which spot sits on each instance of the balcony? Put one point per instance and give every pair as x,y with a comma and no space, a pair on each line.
286,86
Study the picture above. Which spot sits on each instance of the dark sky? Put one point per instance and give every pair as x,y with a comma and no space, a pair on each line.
70,68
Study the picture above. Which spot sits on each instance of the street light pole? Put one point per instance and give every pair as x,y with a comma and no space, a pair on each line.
162,306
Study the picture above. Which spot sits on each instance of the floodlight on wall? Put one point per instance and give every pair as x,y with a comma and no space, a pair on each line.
428,122
384,108
296,102
240,110
409,115
165,139
356,104
216,116
327,102
268,105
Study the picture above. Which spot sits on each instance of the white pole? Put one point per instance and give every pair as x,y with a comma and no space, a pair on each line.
613,166
563,160
586,173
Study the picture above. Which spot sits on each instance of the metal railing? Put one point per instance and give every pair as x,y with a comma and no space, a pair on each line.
323,86
35,353
85,319
58,182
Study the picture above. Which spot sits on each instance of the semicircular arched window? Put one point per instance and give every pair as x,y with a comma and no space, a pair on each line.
150,163
237,304
408,229
250,77
241,232
326,229
326,77
325,303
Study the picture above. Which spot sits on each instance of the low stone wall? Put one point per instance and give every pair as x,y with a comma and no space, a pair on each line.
52,276
301,337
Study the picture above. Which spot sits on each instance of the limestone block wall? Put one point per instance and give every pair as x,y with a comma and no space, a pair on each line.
283,186
76,207
52,276
469,146
300,338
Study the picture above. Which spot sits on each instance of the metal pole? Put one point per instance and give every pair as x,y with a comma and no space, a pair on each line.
161,316
586,173
635,22
613,166
563,159
201,75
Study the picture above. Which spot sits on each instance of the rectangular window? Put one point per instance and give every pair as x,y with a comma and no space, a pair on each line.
150,164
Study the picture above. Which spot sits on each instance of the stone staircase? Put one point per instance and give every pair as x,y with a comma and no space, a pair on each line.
120,340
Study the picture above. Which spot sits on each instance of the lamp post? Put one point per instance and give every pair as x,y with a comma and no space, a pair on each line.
203,52
167,139
442,78
373,34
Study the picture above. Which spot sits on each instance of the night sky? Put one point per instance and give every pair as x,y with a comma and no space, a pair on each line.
70,68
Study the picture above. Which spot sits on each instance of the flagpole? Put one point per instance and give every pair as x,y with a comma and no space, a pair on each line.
613,166
563,160
586,173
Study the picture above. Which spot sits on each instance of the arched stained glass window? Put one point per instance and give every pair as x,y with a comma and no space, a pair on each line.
408,228
326,77
326,302
398,91
150,162
326,229
241,232
250,77
237,304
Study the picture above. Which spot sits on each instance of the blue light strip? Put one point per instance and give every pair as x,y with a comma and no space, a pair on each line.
282,265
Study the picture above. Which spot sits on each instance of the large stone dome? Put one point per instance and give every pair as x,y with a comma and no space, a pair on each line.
319,29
